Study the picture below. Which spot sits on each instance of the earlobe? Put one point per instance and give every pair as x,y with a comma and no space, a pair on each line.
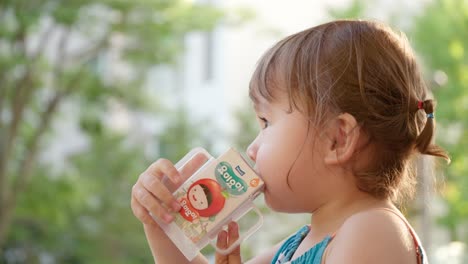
331,158
344,138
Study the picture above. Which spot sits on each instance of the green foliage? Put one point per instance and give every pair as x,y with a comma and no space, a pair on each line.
182,134
248,127
356,10
82,214
440,35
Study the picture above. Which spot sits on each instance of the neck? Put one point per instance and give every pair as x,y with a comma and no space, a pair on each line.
328,218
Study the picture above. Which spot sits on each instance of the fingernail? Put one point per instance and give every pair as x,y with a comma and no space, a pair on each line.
176,206
222,236
232,225
168,218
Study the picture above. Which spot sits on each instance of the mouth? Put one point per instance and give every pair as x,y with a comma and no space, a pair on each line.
194,198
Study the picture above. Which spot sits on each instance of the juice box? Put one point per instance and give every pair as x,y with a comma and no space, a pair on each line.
220,191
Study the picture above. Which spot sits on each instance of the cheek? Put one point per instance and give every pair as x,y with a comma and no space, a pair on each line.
278,152
309,175
270,164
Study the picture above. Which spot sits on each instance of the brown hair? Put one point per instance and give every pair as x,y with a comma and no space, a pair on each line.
365,69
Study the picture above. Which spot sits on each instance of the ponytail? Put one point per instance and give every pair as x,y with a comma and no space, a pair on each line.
424,141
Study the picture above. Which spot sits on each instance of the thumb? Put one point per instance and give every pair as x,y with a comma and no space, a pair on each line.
226,239
233,236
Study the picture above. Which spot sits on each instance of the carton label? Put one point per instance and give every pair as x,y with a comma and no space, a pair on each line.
229,180
213,193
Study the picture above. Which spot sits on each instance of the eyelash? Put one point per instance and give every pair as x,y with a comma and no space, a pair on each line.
265,122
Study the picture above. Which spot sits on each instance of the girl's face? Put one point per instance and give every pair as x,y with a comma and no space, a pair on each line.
197,197
286,152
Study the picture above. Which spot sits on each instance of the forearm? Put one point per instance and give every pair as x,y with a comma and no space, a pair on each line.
164,251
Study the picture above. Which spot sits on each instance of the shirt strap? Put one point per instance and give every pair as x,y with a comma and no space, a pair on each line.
417,243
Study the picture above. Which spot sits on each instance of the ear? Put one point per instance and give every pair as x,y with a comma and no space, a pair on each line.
343,136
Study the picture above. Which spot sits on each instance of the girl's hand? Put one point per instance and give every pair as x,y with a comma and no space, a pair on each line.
153,193
225,239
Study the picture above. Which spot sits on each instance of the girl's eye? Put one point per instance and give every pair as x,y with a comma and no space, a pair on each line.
265,122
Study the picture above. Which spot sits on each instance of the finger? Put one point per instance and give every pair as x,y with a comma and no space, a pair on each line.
233,236
193,165
163,167
233,233
222,244
151,204
186,171
154,186
222,240
141,213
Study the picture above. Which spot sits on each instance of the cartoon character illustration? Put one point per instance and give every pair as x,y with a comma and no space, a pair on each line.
205,196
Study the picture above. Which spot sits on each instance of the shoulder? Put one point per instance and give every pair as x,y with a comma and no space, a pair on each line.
373,236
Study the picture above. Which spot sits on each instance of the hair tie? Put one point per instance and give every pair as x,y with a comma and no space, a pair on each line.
420,105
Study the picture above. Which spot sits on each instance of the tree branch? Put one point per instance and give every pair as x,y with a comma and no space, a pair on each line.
22,93
27,163
7,137
21,96
2,97
33,144
26,166
23,87
35,55
42,43
90,53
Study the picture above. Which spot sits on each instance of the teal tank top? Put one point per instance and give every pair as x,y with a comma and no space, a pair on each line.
314,255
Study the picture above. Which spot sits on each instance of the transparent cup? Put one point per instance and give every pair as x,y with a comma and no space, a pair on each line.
220,190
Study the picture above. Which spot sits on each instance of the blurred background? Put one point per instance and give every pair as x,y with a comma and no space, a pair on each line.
92,92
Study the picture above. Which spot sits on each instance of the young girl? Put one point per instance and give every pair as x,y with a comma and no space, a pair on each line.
342,109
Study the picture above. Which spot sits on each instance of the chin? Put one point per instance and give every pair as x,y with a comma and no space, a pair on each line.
266,198
275,205
282,206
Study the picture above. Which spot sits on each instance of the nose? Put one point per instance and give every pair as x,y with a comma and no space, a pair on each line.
253,149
